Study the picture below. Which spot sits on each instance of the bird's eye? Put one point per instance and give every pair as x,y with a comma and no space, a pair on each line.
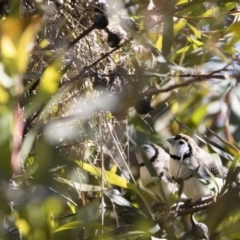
181,142
145,148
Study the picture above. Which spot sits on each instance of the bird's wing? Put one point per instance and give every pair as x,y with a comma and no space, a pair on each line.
168,175
207,162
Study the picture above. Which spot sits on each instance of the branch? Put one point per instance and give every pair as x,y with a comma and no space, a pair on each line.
191,210
196,78
86,68
172,87
185,208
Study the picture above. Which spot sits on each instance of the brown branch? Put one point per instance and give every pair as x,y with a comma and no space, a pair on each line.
191,210
193,17
196,78
101,58
172,87
79,37
195,204
186,208
86,68
201,17
205,76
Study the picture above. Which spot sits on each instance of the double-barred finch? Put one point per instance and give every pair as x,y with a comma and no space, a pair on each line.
160,162
185,154
199,230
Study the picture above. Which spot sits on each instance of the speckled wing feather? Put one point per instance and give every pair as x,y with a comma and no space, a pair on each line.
168,175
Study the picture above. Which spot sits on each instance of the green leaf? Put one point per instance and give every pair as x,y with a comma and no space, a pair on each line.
232,149
117,198
109,177
179,26
81,224
183,50
230,175
80,186
199,114
191,39
50,79
195,31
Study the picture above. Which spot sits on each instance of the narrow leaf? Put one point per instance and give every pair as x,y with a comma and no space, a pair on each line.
80,186
111,178
231,147
195,31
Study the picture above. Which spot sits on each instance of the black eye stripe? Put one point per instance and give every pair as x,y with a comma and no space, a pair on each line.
181,140
155,155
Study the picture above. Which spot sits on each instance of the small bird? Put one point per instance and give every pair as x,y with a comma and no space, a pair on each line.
187,158
160,162
199,230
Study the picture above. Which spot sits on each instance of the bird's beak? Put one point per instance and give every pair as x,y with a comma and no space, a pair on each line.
171,140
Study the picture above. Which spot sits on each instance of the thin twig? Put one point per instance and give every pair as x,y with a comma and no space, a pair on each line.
120,230
195,79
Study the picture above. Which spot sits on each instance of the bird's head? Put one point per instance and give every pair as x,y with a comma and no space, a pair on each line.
149,150
179,145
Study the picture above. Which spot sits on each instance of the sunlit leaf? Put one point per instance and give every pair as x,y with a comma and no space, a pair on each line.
183,50
199,114
17,37
179,26
4,97
232,32
44,43
195,31
159,43
26,42
23,226
114,169
50,79
210,12
182,1
195,41
111,178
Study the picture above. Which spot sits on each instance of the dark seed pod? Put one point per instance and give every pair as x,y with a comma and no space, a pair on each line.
143,106
113,39
100,21
99,82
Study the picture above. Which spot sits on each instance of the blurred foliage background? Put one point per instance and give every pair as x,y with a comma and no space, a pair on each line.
82,83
